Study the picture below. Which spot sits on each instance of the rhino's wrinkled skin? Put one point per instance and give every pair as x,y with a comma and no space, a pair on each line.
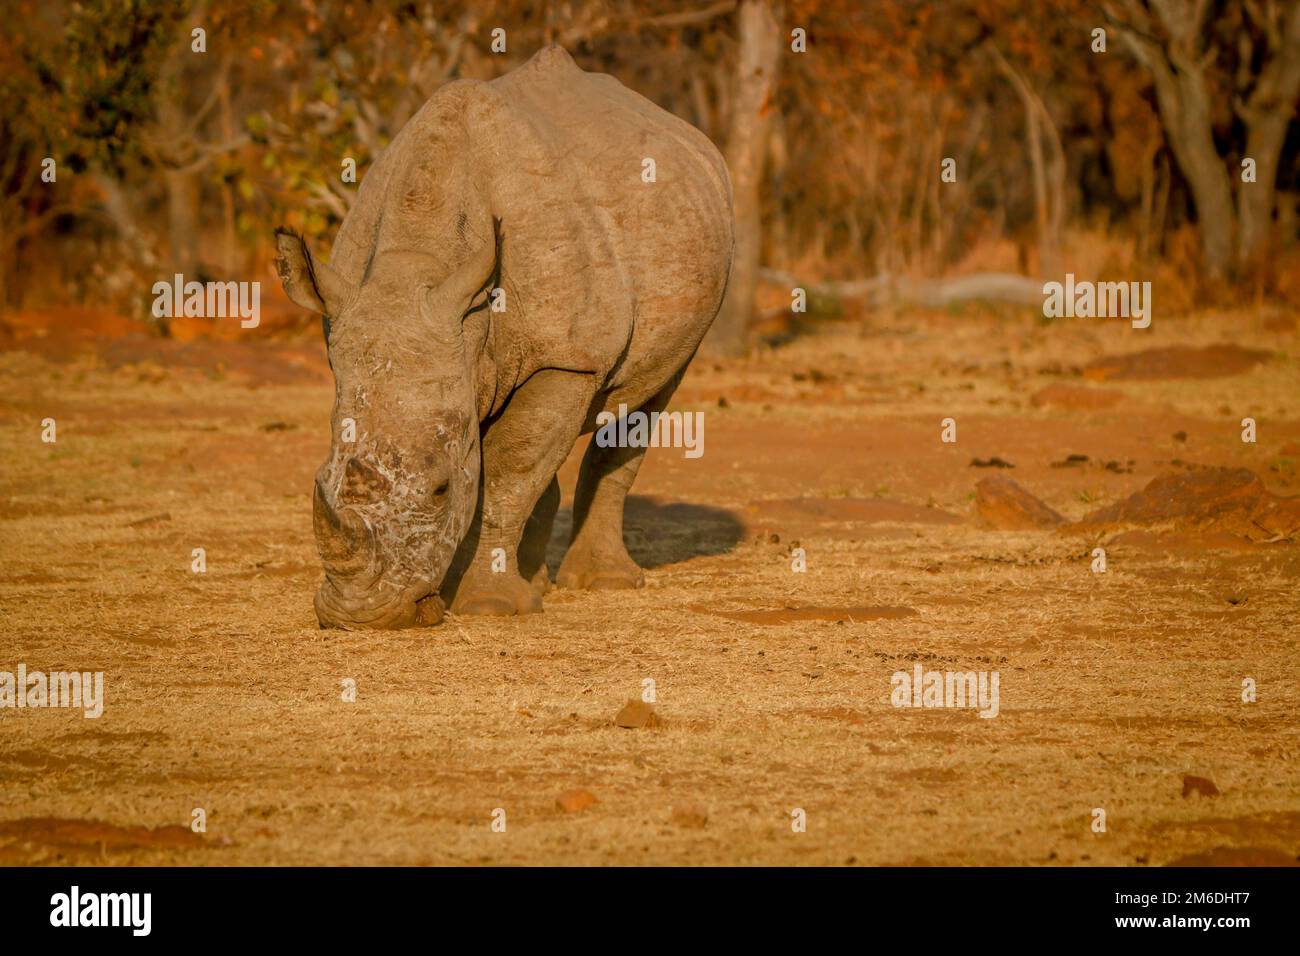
531,183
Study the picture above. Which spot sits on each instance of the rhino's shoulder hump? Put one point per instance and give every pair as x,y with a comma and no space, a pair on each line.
550,59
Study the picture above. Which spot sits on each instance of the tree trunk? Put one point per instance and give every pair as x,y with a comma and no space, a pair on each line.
1267,117
183,221
1177,71
176,148
229,245
1185,110
747,148
1048,170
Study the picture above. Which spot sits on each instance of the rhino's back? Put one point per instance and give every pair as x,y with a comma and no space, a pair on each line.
603,272
664,245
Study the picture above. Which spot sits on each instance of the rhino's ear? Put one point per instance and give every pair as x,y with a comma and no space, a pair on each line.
311,284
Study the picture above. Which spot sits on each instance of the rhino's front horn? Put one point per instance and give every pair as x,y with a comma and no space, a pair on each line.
346,544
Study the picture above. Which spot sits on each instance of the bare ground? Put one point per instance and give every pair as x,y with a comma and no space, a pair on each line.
773,687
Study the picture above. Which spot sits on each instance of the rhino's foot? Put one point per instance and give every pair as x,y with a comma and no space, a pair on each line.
586,569
499,594
541,580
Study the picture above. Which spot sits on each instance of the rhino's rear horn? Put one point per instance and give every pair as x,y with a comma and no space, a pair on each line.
458,291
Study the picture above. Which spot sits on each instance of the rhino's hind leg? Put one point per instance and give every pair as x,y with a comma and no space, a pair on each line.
597,557
522,451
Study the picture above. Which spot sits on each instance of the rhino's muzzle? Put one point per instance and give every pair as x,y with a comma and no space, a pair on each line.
338,608
355,594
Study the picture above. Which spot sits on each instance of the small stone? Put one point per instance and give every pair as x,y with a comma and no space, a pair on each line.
572,801
1201,786
1003,504
692,816
635,715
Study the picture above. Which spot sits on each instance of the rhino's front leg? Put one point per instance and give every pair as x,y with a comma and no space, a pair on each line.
522,451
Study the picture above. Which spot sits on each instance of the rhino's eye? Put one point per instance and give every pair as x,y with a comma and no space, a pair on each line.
441,490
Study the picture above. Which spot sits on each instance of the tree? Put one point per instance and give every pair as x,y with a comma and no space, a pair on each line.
752,104
1170,39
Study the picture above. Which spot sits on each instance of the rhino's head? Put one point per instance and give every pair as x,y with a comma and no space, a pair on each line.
400,486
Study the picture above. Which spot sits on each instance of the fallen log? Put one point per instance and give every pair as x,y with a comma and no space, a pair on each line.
930,293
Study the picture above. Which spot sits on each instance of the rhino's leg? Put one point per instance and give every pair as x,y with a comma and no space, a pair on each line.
522,451
537,535
597,557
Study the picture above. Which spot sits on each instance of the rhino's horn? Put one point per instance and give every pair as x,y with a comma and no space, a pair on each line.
443,307
458,291
345,545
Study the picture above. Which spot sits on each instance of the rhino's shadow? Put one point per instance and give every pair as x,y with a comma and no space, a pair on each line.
659,532
656,533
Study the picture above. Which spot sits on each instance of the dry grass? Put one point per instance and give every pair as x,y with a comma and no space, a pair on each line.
223,694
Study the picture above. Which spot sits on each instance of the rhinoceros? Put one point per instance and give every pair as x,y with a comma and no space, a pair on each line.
508,272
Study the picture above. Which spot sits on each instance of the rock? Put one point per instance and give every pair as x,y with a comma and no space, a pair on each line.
1201,786
994,462
691,816
1212,361
1004,505
636,714
573,801
1228,500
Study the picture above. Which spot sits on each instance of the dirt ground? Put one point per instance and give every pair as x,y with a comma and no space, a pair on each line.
773,688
